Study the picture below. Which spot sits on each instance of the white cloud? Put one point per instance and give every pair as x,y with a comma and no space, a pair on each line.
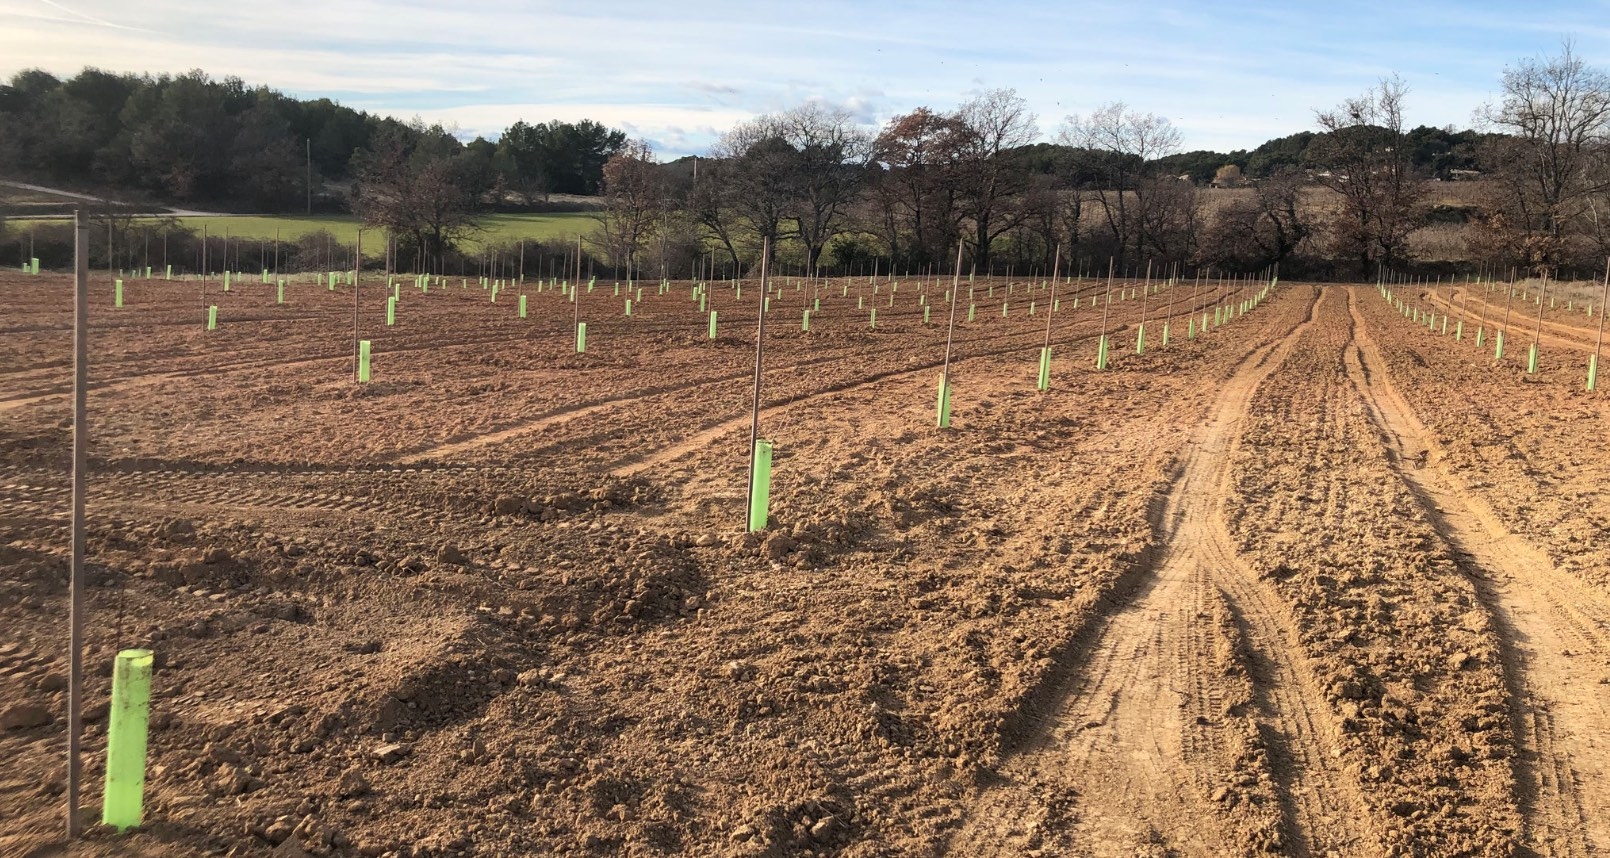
678,74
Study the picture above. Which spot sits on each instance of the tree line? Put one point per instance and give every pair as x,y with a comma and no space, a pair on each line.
190,139
829,194
1341,201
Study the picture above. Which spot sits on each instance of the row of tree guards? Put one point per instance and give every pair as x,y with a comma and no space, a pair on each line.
132,675
1459,313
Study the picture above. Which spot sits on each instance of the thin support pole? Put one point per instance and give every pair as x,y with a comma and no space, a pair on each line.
1599,341
75,666
760,352
357,286
950,335
1056,266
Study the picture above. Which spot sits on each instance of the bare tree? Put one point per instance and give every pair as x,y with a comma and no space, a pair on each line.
995,123
915,195
755,182
1364,156
1264,229
829,170
1118,148
634,195
1552,164
411,184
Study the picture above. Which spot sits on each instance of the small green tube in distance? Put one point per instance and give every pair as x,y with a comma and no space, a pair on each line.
123,803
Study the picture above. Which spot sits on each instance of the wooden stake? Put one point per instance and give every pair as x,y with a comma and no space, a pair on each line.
950,334
75,634
760,351
357,283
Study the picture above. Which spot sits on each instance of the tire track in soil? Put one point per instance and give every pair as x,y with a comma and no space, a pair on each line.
1555,630
1119,729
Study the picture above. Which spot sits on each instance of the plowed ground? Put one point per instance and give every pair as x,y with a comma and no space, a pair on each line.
1316,581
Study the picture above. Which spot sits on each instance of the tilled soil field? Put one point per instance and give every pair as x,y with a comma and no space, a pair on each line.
1316,581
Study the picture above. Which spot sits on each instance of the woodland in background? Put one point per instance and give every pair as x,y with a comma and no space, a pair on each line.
1345,201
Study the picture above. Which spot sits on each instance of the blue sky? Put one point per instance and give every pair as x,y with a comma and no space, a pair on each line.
678,74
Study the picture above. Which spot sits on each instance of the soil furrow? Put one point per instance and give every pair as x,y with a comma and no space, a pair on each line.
1131,707
1552,625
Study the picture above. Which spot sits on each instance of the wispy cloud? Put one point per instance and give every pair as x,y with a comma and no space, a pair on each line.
1230,74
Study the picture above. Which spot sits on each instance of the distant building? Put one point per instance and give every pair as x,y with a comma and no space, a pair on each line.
1228,176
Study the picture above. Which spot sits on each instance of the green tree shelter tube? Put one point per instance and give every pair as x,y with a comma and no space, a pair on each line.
760,485
125,739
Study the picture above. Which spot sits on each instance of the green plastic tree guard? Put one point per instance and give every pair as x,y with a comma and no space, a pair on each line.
363,361
126,731
391,311
712,324
117,294
760,486
1044,382
944,403
212,318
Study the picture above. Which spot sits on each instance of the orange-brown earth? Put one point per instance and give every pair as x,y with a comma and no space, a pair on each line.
498,601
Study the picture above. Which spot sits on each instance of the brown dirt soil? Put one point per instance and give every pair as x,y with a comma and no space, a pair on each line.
498,601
